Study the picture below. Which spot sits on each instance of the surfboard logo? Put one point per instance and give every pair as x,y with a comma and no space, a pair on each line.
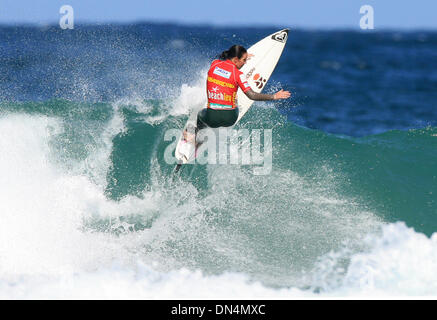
249,74
259,81
280,36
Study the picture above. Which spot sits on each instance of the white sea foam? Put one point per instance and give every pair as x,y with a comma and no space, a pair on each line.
401,264
191,96
48,251
41,206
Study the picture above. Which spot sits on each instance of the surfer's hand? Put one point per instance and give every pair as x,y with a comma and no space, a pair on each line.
281,95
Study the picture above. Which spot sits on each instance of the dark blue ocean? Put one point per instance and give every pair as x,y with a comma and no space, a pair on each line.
89,208
345,82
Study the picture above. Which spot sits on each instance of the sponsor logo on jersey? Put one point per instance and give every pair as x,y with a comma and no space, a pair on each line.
219,96
220,106
221,83
243,80
222,73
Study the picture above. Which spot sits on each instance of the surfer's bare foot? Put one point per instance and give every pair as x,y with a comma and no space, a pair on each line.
190,137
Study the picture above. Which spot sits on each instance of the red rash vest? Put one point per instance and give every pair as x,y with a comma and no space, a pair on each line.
224,78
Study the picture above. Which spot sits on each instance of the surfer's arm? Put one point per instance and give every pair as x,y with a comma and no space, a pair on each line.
252,95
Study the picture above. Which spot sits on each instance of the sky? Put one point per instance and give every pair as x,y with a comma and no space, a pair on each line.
311,14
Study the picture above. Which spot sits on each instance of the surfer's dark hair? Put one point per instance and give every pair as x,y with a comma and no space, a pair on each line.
234,51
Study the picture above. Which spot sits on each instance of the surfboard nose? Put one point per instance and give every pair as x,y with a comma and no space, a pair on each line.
281,36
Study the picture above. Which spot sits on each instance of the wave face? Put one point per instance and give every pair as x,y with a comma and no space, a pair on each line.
89,205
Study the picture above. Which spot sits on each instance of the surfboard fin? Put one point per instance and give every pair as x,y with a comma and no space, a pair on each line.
177,168
176,171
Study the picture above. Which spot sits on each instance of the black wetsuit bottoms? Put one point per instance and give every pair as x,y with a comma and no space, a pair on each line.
216,118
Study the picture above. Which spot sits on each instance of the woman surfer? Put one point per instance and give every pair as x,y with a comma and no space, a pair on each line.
224,78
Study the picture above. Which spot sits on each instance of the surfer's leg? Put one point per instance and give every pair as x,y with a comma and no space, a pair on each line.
202,119
222,118
216,118
232,117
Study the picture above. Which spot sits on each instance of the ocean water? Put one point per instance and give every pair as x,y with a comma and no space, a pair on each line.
89,208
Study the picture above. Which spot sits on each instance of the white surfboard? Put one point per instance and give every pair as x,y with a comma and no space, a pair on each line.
264,55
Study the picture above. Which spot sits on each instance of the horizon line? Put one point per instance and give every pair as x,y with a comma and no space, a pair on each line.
88,23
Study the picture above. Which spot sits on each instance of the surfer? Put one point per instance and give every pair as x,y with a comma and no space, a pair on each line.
224,78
